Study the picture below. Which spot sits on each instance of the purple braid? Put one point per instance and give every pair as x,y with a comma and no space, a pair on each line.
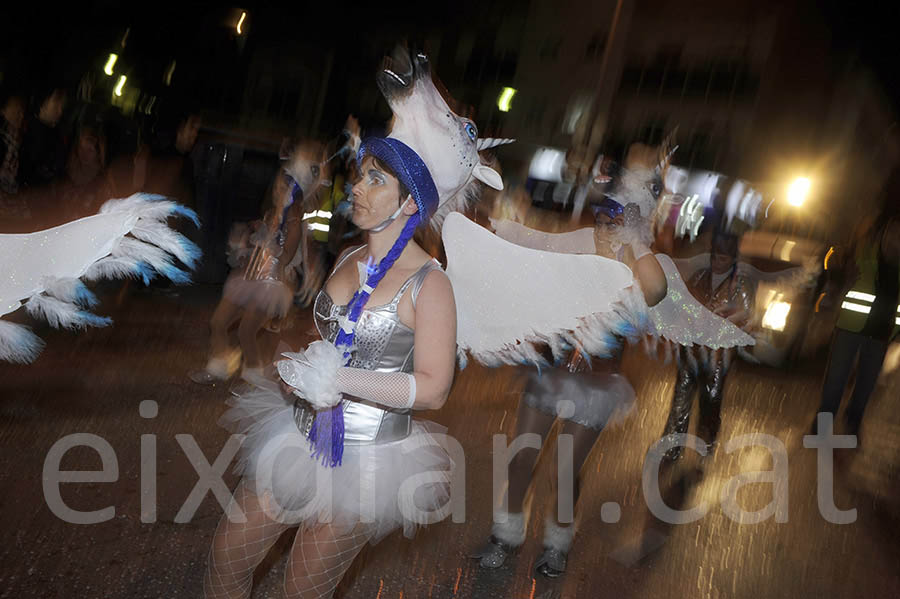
327,433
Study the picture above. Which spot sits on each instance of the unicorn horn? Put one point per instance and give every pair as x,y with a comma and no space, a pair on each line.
491,142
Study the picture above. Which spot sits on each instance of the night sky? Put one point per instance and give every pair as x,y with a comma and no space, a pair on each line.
38,43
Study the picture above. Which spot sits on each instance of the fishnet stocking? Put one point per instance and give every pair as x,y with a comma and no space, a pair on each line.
320,558
239,547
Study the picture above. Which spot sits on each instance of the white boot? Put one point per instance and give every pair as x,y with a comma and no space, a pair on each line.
506,537
557,542
218,368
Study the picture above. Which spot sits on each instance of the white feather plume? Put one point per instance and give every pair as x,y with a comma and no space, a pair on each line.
18,344
60,314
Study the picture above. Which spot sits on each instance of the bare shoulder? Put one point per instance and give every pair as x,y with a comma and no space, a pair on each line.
436,287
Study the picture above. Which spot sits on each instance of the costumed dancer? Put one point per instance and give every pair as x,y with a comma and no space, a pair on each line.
388,321
726,293
261,287
588,318
586,394
44,271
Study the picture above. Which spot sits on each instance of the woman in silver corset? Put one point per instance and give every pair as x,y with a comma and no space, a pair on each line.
335,451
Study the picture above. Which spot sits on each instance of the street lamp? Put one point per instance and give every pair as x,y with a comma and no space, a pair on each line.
798,190
110,63
505,100
120,85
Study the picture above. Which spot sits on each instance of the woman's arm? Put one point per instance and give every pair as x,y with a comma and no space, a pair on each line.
435,342
648,272
434,356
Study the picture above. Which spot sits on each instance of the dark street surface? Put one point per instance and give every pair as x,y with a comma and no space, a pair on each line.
93,382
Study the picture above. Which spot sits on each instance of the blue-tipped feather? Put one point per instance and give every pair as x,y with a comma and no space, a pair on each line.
92,320
145,272
192,252
175,274
179,210
69,289
85,297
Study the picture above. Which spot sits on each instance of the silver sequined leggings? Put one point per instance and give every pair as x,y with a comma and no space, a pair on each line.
709,376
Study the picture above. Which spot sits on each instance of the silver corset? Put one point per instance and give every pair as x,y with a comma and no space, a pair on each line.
383,344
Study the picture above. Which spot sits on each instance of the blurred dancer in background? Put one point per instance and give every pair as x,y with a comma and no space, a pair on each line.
730,295
261,287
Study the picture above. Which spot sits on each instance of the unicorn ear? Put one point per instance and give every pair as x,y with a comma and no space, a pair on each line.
488,176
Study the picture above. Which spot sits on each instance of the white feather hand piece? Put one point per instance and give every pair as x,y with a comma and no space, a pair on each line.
313,373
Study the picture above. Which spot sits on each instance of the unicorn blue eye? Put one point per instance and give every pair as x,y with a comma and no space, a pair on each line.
471,131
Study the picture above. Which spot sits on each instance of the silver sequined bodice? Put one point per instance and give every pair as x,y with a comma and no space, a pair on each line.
383,344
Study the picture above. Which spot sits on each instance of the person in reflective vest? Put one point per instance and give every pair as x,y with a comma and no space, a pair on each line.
867,321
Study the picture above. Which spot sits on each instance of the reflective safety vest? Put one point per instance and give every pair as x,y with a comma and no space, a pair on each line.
862,310
319,221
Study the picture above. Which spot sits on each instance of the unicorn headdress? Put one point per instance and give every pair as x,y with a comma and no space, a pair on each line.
446,142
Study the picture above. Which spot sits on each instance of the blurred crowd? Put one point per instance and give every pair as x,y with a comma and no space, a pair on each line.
62,157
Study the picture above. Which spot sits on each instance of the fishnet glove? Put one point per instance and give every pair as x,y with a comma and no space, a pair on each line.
390,389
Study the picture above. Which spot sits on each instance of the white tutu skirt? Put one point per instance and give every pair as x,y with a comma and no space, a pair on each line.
271,297
401,484
588,398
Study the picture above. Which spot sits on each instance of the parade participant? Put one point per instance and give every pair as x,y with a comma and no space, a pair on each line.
261,287
729,294
593,392
589,393
868,317
388,324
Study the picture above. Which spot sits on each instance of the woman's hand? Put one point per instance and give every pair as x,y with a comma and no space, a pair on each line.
287,392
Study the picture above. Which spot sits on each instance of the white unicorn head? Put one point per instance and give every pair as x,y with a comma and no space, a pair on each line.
446,142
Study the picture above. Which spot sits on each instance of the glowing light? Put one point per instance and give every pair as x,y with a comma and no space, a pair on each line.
318,227
798,190
828,255
169,72
690,217
786,250
505,99
819,301
110,63
241,22
120,85
859,295
125,37
546,165
776,315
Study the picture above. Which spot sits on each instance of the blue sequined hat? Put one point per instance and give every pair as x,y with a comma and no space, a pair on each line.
409,169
